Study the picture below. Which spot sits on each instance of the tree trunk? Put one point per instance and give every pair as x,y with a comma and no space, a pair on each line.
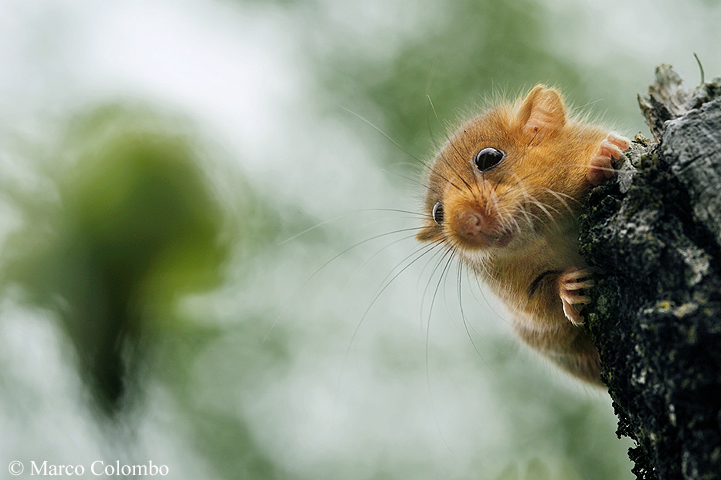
654,236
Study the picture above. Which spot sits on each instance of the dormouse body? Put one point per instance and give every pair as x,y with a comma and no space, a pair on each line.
504,194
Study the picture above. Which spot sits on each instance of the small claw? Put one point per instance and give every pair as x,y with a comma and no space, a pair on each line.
619,140
580,285
572,314
570,283
601,166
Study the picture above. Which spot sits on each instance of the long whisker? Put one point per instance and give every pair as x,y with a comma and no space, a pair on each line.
562,200
370,124
524,192
481,289
338,217
410,179
381,250
533,201
417,254
433,108
452,167
468,327
428,123
443,275
543,209
447,251
290,300
442,156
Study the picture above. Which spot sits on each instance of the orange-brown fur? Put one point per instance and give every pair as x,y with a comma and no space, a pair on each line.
523,222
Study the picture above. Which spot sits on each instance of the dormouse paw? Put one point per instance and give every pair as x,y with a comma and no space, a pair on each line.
601,167
571,283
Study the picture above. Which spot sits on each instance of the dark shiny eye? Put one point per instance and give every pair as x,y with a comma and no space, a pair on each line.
488,158
438,213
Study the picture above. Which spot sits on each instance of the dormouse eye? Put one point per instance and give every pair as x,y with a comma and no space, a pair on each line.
488,158
438,213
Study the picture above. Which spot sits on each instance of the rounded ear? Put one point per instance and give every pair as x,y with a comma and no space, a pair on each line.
541,113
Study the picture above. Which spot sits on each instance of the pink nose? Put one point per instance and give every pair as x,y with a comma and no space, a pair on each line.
471,224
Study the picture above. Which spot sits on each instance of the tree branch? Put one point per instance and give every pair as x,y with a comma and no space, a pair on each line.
655,236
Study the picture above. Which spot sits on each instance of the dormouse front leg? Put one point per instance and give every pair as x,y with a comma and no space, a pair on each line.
573,283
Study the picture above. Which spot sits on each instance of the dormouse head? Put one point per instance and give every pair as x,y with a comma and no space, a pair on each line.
496,183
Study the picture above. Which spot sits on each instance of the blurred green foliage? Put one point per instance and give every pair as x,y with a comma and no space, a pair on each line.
473,51
135,226
229,360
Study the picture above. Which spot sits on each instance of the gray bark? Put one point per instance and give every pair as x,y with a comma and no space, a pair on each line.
655,237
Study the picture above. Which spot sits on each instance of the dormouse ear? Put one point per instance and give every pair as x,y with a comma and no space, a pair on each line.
542,112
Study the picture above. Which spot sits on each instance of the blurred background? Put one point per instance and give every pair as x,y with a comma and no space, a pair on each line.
207,220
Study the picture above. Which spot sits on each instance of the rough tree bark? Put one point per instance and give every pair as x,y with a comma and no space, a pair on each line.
655,237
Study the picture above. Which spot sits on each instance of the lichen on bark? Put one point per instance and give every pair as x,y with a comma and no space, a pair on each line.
654,238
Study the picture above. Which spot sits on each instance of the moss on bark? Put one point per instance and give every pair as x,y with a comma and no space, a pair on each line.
654,236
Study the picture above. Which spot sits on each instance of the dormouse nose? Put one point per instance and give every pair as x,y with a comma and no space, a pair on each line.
471,224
